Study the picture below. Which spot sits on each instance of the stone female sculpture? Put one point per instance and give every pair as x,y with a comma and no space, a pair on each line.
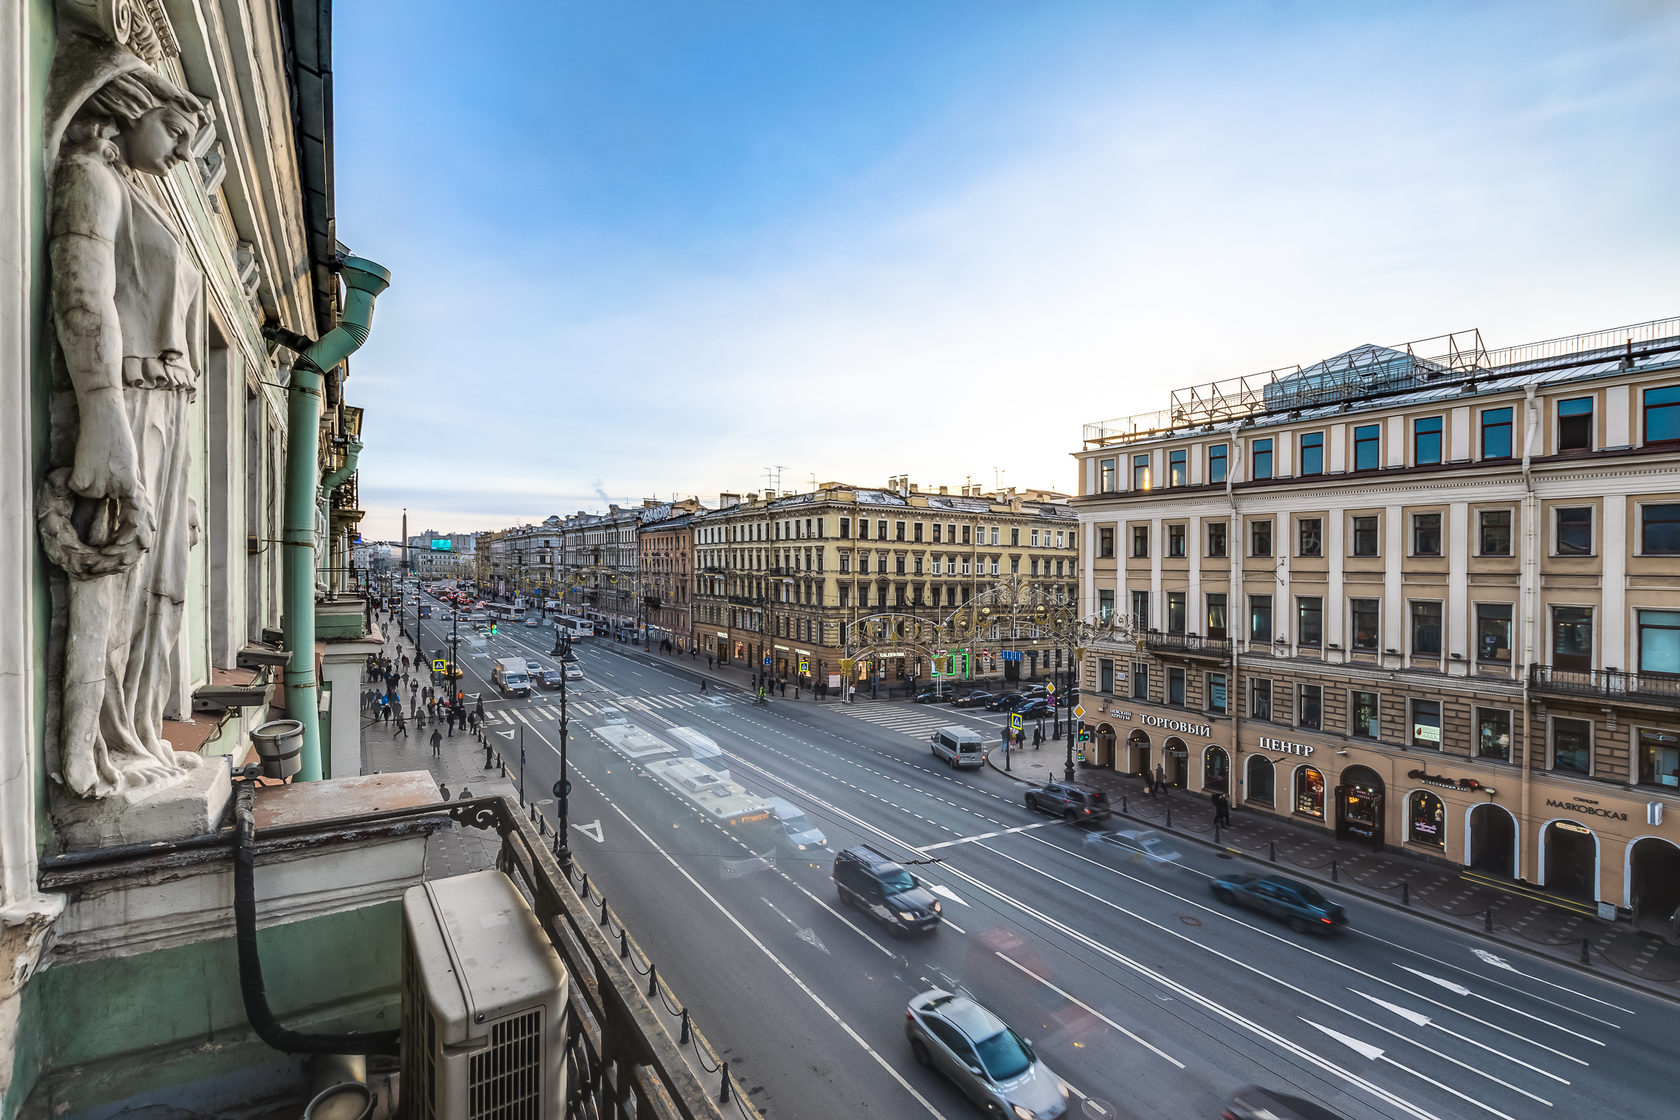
115,513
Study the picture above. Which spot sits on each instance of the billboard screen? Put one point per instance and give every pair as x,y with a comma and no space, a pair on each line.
439,546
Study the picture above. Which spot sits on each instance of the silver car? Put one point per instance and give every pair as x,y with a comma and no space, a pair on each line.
995,1067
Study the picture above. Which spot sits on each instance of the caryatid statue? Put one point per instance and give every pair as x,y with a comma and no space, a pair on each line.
115,513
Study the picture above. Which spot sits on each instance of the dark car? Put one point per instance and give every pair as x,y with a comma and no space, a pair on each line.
1068,800
1030,709
1033,691
548,678
928,696
979,698
1295,902
867,879
1254,1103
1003,701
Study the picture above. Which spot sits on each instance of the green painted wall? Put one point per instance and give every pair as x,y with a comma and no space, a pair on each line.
121,1027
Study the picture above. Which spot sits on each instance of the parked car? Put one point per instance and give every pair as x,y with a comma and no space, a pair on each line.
1003,701
1254,1103
1069,800
1299,904
1134,845
867,879
928,696
993,1066
1034,690
1031,709
978,698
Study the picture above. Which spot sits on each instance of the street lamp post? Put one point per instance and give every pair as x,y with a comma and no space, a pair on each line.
563,788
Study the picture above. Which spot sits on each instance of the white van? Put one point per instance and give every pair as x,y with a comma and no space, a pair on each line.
511,677
959,746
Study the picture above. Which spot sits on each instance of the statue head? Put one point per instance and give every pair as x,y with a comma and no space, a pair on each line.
142,120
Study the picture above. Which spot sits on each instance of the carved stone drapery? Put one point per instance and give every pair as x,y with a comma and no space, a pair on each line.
115,515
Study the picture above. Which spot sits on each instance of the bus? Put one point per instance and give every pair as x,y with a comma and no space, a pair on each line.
575,626
502,612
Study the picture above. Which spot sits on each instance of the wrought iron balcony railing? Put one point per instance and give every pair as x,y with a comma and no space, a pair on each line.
1660,688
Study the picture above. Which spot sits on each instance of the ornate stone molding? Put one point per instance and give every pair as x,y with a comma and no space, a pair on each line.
140,25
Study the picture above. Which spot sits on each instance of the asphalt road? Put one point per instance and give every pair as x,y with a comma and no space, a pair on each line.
1147,996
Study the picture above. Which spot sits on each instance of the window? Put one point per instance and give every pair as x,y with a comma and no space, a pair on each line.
1493,733
917,532
1260,618
1309,792
1216,692
1426,534
1175,541
1571,745
1262,778
1312,454
1367,447
1363,720
1493,536
1496,433
1105,543
1105,675
1309,620
1260,538
1309,706
845,528
1426,724
1216,538
966,528
1260,699
1493,632
1216,623
1575,424
1105,604
1572,638
1140,610
936,536
1659,758
1365,534
1175,612
845,561
1015,538
1363,621
1218,455
1574,531
1140,681
1426,627
1659,641
1662,414
1426,440
1309,533
1659,530
994,534
1178,467
1107,478
1175,687
1426,819
1140,472
1261,453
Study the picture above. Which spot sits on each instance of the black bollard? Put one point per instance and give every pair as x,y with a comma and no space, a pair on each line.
682,1039
1335,872
1585,945
1273,844
1487,920
1123,807
653,979
1405,894
623,944
603,909
1216,832
723,1094
1169,816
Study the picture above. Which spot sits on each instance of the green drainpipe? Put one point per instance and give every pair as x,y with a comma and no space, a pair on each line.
363,280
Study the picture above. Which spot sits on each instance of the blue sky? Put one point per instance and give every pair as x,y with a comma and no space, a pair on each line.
645,249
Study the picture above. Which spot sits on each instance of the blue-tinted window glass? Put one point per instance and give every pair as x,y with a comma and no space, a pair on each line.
1662,413
1496,433
1426,440
1367,443
1262,458
1217,455
1312,454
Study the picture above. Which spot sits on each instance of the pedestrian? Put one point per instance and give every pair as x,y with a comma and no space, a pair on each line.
478,709
702,684
1020,738
437,743
402,728
784,690
1221,808
1038,736
708,661
385,714
1160,778
472,722
451,719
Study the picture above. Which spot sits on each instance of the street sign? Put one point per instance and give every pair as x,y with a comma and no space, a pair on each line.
439,665
563,788
1050,689
1079,711
804,665
767,661
1011,655
1014,721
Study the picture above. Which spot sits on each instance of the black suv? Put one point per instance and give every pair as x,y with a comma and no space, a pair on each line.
1003,701
975,699
1069,800
885,890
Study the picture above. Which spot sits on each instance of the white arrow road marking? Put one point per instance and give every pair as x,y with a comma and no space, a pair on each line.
1375,1053
591,830
1088,1009
505,734
1497,961
946,892
804,933
1420,1020
1423,1020
1494,959
1463,991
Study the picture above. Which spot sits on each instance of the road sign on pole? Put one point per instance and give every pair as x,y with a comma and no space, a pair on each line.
1079,711
1014,721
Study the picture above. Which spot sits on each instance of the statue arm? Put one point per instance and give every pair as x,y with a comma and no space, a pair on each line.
87,211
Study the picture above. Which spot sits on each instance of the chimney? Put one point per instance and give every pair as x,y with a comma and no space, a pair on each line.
727,500
751,498
944,491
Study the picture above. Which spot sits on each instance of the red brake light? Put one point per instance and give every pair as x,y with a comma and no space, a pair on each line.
1326,921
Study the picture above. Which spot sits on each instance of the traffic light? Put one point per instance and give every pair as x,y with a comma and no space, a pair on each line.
492,629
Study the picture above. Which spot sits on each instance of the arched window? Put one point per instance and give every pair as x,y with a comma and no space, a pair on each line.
1426,819
1309,792
1216,769
1261,787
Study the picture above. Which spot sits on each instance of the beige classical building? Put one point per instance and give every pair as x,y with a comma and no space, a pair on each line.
665,560
780,581
1424,602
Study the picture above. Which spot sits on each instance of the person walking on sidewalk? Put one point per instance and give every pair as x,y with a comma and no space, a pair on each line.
1160,778
1038,737
437,743
1020,738
1221,808
402,726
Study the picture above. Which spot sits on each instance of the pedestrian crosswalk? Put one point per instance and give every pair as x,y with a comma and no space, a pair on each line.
911,721
593,707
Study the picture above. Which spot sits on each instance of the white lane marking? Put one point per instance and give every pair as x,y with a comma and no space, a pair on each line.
1077,1002
987,835
804,933
946,892
1206,1003
1460,989
1499,962
1418,1019
592,830
1375,1053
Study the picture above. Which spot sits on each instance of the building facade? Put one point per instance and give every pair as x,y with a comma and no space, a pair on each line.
782,583
1426,603
665,563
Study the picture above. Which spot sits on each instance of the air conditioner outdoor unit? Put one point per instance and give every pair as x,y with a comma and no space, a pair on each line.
483,1005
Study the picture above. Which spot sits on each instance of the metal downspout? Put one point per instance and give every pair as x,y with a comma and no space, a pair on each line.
352,452
363,281
1528,585
1234,693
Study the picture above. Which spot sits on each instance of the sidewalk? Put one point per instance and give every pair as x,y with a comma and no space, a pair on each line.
1506,913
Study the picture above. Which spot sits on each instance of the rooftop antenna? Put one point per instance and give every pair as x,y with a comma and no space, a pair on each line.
773,477
997,478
